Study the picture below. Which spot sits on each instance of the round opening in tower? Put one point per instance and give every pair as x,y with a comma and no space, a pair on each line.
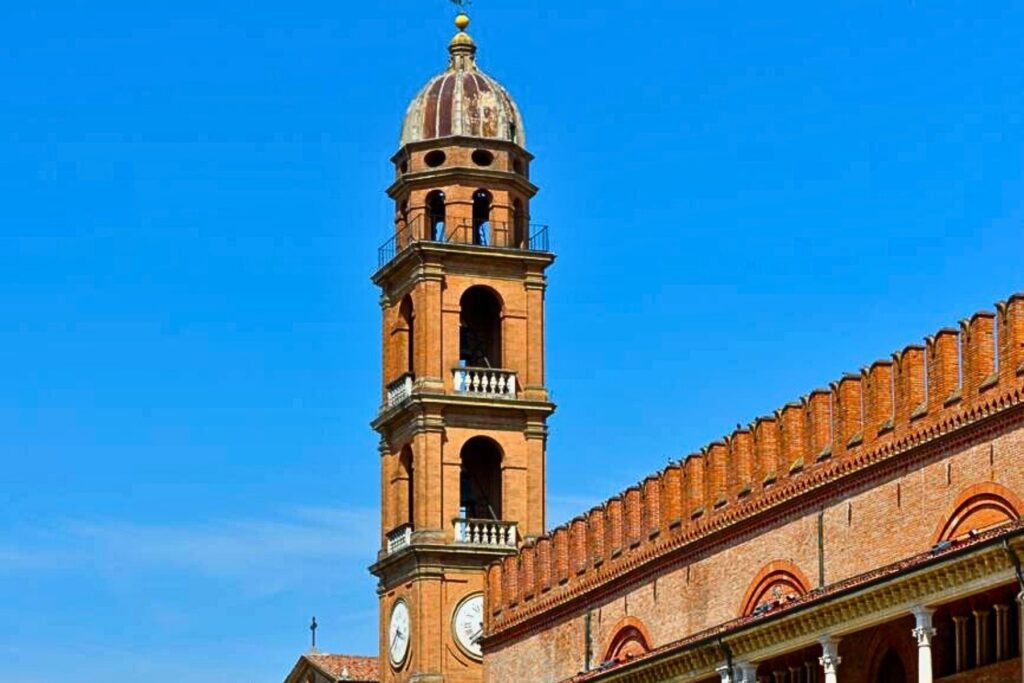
481,157
435,158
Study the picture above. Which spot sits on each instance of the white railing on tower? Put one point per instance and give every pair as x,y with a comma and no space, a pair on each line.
399,390
399,538
492,382
488,532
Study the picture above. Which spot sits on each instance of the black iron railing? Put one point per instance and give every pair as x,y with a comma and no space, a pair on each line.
496,234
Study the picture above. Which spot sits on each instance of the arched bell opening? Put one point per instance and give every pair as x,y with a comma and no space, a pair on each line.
403,488
480,328
406,335
436,224
482,200
480,479
519,235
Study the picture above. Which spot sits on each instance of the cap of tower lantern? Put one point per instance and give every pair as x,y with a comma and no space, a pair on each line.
463,101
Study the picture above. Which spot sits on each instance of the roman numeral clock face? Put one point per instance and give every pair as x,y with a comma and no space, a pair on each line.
468,624
399,630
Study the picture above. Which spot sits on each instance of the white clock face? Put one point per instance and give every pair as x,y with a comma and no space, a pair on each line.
399,632
468,624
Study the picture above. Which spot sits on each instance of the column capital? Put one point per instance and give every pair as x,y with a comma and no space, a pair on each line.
830,659
744,672
924,632
924,636
725,671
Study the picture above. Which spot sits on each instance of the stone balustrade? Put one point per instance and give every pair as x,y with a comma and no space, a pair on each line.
487,532
490,382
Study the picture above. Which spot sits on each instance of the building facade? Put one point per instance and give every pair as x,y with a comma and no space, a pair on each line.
870,531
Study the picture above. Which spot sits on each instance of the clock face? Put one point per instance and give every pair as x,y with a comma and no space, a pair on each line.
398,633
468,624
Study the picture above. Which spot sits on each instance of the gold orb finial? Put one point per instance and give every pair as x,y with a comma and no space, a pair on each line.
462,21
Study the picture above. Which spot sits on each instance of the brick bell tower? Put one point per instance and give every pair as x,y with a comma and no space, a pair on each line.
463,418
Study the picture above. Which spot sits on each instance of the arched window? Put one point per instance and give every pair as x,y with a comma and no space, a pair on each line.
519,235
482,218
629,639
775,585
891,669
480,328
977,508
480,479
436,216
406,335
403,487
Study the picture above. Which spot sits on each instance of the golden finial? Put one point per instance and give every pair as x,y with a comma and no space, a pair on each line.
462,21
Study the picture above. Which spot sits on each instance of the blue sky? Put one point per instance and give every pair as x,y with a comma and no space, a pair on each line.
747,201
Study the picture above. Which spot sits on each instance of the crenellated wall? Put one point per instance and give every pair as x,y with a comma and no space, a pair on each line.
956,378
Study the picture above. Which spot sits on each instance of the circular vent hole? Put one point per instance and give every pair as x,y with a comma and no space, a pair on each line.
517,166
482,157
435,158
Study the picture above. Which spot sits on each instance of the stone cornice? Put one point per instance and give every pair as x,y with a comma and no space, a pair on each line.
423,251
431,178
422,559
421,402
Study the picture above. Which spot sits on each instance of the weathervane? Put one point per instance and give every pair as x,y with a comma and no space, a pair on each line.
312,629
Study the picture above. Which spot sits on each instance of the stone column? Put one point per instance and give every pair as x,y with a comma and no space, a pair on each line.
726,673
1002,631
924,632
830,659
960,640
980,637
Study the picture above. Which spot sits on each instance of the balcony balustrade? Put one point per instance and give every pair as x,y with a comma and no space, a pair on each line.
487,532
399,390
399,538
489,382
494,234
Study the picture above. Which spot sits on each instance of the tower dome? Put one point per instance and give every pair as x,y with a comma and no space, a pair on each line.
463,101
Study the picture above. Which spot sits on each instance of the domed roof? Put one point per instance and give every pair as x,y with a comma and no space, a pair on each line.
463,100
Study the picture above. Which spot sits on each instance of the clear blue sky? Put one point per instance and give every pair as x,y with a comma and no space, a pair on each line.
747,199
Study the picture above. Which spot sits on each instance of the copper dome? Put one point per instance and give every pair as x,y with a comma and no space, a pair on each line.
463,100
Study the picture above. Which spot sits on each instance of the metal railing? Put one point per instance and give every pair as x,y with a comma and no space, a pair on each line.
399,538
495,234
487,532
492,382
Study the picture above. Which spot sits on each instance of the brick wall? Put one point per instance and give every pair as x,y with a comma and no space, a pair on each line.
877,463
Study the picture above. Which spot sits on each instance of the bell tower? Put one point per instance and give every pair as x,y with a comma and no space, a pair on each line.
464,405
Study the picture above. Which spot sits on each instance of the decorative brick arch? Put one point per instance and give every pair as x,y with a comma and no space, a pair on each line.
979,507
630,638
776,581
